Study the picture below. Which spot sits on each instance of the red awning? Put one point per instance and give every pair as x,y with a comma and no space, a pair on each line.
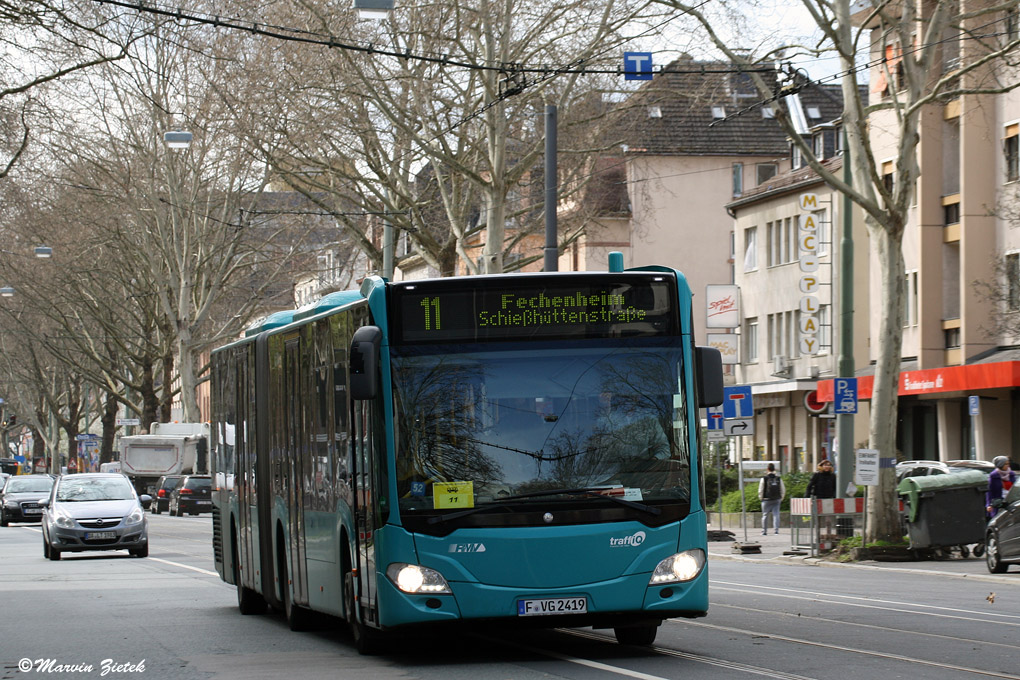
933,380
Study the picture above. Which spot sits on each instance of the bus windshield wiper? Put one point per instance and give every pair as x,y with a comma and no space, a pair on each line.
438,519
582,491
594,491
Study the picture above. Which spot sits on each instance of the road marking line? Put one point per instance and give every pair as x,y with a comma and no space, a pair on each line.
712,661
184,566
801,616
812,595
573,659
852,650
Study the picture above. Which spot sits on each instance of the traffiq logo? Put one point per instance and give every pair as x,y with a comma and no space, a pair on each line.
635,540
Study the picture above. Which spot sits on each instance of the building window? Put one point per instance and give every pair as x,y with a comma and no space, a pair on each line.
750,249
738,179
1012,24
781,241
770,339
951,213
950,49
825,328
798,157
766,171
1013,282
718,112
751,341
952,338
910,313
822,242
1012,149
887,175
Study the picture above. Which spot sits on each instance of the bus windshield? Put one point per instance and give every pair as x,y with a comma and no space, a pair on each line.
508,424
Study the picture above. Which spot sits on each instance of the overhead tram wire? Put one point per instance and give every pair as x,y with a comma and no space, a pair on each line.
835,77
330,41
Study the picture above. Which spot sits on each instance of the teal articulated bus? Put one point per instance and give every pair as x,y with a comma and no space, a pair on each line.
509,449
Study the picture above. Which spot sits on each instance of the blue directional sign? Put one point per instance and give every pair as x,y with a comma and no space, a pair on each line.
974,405
715,418
846,395
737,402
637,65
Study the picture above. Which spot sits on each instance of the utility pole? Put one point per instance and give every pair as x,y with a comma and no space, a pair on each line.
552,257
845,360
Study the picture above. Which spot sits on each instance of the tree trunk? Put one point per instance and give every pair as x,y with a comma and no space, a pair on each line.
109,421
186,371
883,504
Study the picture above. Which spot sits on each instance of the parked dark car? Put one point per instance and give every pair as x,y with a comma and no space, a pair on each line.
1002,536
192,495
19,500
94,511
164,486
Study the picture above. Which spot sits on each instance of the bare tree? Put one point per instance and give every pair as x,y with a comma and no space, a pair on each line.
445,143
909,41
42,42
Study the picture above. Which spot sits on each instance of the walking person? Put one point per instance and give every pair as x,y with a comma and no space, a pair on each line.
1000,481
771,492
823,483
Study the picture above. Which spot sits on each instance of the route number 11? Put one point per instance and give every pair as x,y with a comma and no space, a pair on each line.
431,305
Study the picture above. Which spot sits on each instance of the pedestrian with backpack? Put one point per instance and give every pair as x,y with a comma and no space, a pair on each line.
771,492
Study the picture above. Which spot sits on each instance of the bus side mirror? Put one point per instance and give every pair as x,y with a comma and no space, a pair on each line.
709,376
365,362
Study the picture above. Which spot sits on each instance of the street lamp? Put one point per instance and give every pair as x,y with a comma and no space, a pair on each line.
177,139
42,252
373,9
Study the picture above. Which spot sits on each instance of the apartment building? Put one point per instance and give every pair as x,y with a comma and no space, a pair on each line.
785,231
961,249
694,139
959,386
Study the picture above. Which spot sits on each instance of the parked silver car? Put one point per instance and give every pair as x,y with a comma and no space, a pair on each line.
94,511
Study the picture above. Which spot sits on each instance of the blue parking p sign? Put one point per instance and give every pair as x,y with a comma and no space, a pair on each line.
846,395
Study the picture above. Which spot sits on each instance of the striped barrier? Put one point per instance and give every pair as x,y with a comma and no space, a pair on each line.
824,508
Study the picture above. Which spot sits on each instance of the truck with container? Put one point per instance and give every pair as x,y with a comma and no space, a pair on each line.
168,449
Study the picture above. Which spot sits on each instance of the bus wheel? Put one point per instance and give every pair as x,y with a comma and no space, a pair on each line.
639,636
366,640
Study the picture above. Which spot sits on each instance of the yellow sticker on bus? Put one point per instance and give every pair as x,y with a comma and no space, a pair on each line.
453,495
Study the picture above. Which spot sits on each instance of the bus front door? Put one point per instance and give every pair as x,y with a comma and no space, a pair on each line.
364,512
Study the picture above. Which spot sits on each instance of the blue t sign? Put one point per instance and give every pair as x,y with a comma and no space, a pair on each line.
637,65
846,395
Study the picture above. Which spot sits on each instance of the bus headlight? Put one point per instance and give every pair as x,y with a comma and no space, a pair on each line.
678,568
416,579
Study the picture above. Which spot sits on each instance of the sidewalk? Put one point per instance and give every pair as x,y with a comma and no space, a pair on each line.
775,549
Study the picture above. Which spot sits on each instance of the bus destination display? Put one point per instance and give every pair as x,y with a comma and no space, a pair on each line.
551,309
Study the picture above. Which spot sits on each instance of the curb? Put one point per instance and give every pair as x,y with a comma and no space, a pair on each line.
817,562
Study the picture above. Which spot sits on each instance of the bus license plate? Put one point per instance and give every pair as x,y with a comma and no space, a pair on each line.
553,605
97,535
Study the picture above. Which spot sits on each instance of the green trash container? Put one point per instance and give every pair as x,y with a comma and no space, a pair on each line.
944,511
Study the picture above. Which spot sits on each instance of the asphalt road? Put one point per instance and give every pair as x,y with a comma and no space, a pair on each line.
170,616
